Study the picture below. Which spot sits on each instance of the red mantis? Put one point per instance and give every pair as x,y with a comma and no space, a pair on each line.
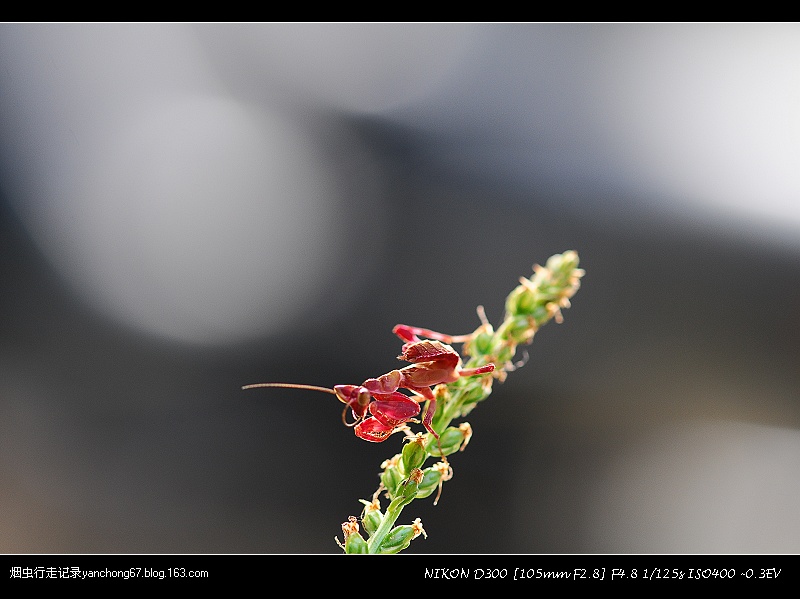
433,361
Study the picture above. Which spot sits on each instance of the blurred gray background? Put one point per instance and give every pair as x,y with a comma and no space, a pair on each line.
188,208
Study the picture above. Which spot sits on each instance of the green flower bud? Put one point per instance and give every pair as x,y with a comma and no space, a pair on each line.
353,541
449,442
430,482
477,390
398,539
481,344
520,329
371,518
443,397
521,301
564,265
401,536
438,419
391,477
408,488
354,544
414,454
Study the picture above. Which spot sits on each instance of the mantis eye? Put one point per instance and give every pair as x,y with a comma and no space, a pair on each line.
364,397
356,398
